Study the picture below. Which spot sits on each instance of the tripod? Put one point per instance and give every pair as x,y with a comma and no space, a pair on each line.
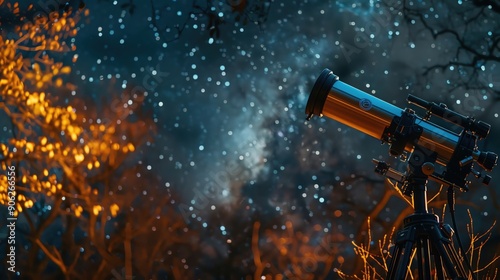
422,232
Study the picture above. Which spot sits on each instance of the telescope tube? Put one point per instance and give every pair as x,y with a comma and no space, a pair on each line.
370,115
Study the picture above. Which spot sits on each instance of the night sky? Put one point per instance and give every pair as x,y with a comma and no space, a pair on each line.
231,144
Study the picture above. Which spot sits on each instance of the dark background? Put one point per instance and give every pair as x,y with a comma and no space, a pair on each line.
226,86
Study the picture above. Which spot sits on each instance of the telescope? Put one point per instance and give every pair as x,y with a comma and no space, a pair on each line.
423,143
403,130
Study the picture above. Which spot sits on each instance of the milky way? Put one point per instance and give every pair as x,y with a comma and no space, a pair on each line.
230,110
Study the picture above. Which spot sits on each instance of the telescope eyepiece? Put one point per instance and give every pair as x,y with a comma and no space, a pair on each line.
487,160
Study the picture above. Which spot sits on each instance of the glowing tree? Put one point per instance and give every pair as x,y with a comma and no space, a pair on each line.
75,190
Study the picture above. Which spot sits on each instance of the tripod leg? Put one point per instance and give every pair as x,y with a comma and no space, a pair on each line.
455,258
424,258
401,255
449,258
439,266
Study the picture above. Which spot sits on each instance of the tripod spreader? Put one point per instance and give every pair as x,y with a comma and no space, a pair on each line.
431,240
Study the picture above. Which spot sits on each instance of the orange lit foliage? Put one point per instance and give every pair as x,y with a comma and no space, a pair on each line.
375,259
69,160
45,145
293,254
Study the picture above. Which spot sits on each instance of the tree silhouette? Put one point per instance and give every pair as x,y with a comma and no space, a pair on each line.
472,28
209,15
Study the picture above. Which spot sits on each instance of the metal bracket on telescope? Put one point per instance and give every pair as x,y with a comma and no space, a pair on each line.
401,132
385,169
